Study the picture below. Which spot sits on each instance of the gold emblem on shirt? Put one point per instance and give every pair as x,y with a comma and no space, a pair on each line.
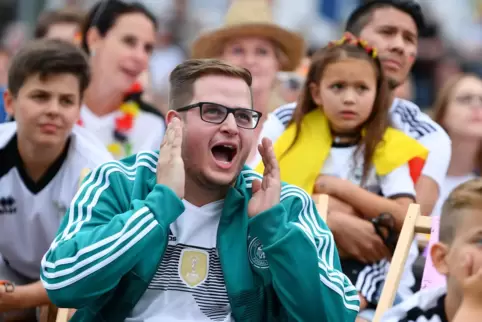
193,266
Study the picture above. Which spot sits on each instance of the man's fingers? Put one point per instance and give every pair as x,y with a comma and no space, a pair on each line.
270,155
262,152
171,143
165,139
177,135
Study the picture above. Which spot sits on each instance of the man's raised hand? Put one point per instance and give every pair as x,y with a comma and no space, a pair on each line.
170,167
266,193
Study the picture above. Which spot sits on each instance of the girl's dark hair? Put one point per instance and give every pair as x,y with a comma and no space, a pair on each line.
376,124
105,13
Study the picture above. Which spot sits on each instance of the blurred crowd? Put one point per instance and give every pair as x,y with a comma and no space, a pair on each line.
452,41
125,109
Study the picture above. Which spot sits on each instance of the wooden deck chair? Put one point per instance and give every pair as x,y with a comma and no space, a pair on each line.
50,313
321,202
414,223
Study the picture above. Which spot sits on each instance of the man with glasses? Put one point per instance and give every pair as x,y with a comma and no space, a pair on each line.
190,233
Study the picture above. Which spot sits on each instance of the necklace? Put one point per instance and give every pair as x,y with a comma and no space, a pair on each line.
121,144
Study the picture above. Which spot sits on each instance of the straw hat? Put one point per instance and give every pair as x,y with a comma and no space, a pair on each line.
250,18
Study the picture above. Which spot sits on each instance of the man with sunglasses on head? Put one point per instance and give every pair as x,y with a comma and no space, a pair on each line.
191,234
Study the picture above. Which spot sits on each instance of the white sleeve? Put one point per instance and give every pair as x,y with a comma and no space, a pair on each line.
277,122
438,160
407,117
272,128
398,183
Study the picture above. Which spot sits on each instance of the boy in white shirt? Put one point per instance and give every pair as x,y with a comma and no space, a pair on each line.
458,256
42,156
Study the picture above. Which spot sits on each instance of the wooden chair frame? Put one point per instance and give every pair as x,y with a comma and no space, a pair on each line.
321,202
414,223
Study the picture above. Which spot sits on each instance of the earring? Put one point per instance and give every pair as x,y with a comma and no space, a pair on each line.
92,53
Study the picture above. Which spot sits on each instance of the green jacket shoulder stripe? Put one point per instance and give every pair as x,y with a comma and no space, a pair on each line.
106,250
114,251
89,192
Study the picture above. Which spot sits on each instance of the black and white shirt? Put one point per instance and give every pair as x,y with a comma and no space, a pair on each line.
428,305
30,212
189,283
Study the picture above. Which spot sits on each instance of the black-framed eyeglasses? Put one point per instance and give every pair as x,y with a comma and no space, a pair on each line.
216,113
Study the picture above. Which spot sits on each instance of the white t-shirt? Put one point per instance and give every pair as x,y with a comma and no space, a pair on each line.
189,284
146,134
450,183
340,163
404,116
30,212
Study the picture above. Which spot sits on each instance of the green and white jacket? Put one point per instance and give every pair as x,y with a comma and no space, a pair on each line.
114,235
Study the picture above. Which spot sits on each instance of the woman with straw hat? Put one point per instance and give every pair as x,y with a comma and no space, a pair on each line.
250,38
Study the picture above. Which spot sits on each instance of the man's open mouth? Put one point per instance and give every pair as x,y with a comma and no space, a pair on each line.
224,152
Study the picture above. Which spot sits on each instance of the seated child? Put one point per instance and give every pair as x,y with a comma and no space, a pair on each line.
339,143
458,256
42,157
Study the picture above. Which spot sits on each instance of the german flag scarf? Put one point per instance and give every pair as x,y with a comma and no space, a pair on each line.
301,164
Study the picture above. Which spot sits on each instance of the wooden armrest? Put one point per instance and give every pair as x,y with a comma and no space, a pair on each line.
321,202
423,225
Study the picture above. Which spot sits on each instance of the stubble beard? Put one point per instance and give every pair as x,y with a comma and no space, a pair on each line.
393,84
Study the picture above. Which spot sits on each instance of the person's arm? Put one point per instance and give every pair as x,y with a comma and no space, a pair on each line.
103,232
23,297
303,260
397,188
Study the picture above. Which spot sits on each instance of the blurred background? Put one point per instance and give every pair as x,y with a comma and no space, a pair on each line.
452,43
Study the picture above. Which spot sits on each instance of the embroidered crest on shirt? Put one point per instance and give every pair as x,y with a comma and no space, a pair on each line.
256,255
193,266
194,270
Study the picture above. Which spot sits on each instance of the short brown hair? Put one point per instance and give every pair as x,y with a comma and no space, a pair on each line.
182,78
45,57
49,18
467,196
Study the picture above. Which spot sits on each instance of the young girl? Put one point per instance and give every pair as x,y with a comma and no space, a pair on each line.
339,143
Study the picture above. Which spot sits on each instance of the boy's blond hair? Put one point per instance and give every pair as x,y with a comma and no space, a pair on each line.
467,196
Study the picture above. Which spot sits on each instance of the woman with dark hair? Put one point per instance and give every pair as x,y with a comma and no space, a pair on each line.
119,37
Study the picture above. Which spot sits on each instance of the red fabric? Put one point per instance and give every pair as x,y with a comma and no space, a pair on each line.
416,166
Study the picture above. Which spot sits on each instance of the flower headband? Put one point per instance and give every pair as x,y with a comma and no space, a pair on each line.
348,38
